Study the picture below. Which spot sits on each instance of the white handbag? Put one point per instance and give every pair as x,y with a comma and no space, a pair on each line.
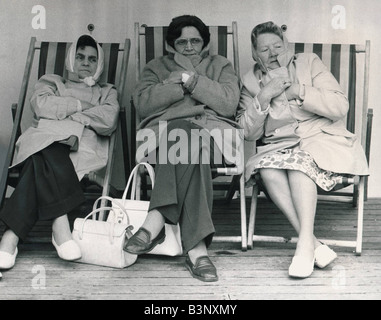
137,211
102,242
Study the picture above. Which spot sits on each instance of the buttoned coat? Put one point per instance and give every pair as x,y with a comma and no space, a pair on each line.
56,118
317,126
212,104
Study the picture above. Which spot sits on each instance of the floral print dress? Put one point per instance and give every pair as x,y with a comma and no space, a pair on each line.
296,159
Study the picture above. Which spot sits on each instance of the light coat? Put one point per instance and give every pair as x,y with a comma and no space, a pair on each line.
56,118
212,104
317,126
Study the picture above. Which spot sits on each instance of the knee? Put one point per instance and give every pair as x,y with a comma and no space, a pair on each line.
272,176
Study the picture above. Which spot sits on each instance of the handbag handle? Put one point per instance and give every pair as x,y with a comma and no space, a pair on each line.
112,225
133,177
114,201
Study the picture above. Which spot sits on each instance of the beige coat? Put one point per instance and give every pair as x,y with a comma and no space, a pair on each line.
212,105
317,126
54,105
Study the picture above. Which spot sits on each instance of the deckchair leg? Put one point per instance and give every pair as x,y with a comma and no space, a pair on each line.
107,178
243,213
360,215
253,212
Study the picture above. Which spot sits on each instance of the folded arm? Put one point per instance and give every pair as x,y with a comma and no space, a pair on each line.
102,118
250,116
153,95
48,103
221,95
325,97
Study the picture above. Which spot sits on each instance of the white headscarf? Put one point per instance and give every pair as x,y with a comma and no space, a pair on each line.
69,63
283,58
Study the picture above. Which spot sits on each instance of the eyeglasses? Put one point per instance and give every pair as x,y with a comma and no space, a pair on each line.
184,42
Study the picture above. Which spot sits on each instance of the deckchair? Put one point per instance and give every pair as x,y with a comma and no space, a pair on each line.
149,44
349,63
48,58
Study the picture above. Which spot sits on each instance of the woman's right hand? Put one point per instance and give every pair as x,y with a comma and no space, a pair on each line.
273,89
174,77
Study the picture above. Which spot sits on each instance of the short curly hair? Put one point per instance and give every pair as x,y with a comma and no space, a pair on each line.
266,27
178,23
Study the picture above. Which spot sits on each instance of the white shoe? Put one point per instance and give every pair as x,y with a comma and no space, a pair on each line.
69,250
324,256
7,260
301,267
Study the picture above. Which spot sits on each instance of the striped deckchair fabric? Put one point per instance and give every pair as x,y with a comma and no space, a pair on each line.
49,58
349,64
153,45
342,61
155,41
149,44
53,55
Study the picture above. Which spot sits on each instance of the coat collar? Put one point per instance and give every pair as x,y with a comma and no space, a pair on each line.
185,62
251,80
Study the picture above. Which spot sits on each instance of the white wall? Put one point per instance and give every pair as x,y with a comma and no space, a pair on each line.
307,21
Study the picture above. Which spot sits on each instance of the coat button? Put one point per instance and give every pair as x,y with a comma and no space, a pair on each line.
277,130
198,117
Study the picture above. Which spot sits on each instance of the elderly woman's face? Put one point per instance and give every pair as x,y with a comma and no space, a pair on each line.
86,62
190,42
269,46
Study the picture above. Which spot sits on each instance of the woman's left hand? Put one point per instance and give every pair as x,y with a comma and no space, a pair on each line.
292,92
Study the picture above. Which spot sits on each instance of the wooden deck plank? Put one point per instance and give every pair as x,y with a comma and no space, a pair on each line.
260,273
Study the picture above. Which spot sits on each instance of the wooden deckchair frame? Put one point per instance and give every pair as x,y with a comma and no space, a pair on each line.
359,194
18,109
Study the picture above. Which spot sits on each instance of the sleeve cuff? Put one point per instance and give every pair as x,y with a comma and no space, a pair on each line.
257,106
191,83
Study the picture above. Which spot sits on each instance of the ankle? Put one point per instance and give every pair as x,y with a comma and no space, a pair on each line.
61,230
154,223
305,248
197,252
9,242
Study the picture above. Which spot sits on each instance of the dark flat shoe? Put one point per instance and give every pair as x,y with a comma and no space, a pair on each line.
203,269
141,242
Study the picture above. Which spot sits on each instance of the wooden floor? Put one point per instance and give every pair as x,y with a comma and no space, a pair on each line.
260,273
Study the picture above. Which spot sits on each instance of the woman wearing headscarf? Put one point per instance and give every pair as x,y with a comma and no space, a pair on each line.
295,106
190,91
68,138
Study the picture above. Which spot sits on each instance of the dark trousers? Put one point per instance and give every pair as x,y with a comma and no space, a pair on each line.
183,193
48,188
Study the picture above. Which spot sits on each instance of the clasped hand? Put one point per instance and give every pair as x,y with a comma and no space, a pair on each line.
177,77
276,87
